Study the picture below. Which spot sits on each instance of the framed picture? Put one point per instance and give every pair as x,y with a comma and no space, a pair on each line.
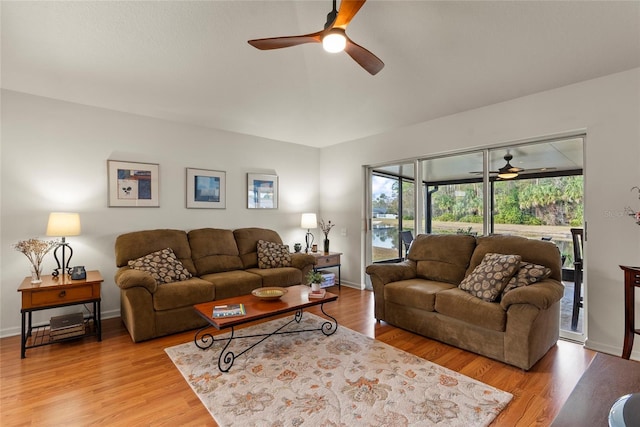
133,184
206,189
262,191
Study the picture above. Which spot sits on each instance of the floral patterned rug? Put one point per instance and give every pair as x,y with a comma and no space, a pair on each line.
346,379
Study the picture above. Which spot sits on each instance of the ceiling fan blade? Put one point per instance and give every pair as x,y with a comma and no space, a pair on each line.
362,56
348,9
280,42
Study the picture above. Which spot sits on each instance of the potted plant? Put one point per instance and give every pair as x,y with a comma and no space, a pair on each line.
315,279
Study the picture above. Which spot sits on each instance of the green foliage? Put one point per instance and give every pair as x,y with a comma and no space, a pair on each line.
539,201
314,277
471,218
446,217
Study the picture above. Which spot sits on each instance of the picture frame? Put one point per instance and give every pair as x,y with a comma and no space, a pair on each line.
262,191
133,184
206,189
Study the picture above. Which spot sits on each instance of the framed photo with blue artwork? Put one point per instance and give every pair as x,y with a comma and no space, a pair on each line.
262,191
133,184
206,189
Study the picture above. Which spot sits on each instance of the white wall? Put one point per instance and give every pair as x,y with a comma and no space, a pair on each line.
54,157
608,109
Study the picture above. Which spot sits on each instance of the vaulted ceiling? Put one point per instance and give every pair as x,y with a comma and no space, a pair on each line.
189,61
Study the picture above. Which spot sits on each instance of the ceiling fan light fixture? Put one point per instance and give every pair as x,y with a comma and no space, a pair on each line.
507,175
334,41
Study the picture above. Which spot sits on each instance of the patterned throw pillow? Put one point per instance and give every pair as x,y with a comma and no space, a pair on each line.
489,278
163,266
273,255
527,275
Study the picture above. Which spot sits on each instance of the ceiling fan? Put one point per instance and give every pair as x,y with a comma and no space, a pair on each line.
333,37
508,171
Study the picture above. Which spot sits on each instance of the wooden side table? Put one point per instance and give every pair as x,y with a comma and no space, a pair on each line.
606,379
53,293
631,281
327,260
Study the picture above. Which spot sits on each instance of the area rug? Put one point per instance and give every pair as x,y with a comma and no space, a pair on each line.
346,379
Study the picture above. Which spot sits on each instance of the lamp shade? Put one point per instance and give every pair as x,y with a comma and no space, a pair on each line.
308,221
62,224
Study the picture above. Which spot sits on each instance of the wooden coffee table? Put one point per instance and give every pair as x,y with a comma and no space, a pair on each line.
295,300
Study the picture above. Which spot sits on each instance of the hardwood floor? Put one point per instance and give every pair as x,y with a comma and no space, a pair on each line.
117,382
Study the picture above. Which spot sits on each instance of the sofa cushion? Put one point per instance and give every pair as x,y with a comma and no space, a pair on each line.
233,283
465,307
443,258
183,294
492,275
534,251
273,255
247,241
418,293
283,276
526,275
136,244
214,250
162,265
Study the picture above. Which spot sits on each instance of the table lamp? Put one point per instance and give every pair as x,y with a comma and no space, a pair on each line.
63,224
308,221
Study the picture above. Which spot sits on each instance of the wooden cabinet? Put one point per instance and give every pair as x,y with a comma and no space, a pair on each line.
58,292
631,282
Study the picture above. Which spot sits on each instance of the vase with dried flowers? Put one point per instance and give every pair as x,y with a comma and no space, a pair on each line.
35,250
326,228
631,212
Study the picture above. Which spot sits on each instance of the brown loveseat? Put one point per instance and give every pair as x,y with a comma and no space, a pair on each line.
224,263
421,294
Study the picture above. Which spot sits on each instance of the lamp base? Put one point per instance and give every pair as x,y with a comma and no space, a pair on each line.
308,238
63,267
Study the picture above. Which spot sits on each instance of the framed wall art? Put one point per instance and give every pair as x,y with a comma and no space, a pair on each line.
206,189
262,191
133,184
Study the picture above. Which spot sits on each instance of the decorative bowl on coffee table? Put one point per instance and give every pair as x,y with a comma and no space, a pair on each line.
269,293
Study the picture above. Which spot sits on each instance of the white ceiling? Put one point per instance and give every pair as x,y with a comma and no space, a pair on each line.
189,61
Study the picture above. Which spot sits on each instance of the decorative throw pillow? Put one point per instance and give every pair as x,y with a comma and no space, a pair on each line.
527,275
489,278
273,255
163,266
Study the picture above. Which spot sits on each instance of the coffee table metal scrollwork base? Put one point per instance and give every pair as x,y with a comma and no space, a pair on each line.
205,340
294,301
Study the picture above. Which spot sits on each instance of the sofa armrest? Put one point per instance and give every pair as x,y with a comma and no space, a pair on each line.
382,274
301,261
128,278
542,295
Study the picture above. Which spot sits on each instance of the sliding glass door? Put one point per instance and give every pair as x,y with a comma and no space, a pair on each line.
392,210
534,190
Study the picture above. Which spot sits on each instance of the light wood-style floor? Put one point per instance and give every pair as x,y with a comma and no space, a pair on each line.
116,382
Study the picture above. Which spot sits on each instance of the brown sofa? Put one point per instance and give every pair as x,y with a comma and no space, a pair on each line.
224,263
421,294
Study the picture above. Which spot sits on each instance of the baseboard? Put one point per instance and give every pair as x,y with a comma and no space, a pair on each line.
612,350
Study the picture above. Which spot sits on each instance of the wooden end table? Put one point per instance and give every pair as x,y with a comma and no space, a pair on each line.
327,260
54,293
295,300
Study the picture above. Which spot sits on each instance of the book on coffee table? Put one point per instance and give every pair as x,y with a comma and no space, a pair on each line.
229,310
317,294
